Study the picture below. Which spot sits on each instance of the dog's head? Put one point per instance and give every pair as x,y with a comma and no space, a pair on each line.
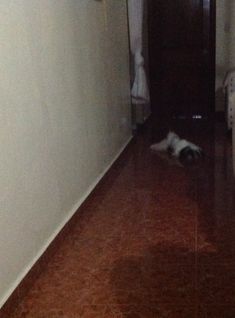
189,156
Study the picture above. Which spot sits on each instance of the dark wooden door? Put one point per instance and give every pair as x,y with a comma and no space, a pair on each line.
182,57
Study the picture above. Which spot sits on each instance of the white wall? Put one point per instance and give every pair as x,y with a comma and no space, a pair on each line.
231,35
222,49
222,40
225,44
64,117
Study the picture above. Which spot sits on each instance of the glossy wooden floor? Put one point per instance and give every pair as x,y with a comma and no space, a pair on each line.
154,240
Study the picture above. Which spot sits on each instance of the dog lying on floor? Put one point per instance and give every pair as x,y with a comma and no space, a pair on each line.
185,151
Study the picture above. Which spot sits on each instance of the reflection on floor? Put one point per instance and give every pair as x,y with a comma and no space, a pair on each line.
153,240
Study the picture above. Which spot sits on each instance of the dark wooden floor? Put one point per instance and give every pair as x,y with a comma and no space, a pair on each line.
153,240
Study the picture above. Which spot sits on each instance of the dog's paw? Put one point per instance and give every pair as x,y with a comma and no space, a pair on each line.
160,146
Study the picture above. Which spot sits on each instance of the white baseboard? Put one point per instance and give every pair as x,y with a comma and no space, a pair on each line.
22,275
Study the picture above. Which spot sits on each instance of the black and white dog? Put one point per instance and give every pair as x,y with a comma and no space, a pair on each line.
185,151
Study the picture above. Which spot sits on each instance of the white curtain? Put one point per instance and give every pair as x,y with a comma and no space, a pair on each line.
140,90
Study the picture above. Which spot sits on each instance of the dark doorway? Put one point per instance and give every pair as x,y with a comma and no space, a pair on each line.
182,57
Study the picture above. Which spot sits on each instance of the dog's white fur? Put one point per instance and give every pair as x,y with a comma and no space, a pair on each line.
173,142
